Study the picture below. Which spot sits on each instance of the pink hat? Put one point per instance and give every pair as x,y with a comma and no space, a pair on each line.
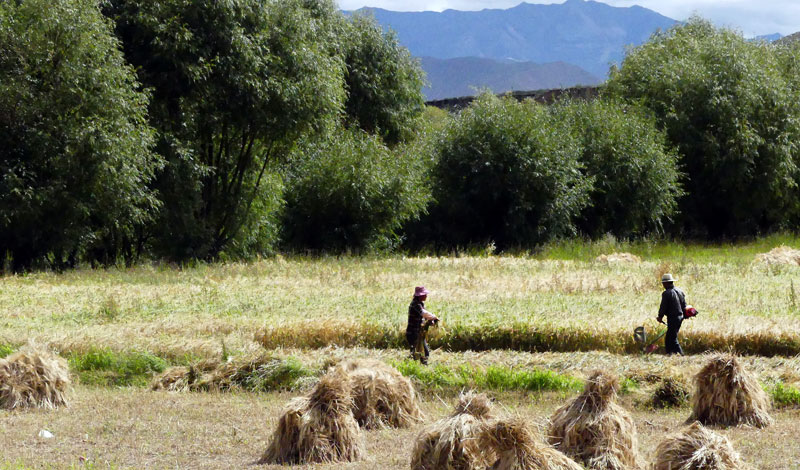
419,291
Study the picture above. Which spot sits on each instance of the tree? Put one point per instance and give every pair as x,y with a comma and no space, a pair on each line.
349,191
234,85
508,173
75,157
635,172
383,81
727,106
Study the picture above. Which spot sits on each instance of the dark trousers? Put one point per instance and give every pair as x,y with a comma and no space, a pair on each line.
419,347
671,338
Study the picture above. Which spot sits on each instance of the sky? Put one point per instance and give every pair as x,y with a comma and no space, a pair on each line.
751,17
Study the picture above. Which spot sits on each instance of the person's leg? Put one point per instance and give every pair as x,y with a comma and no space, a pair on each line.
412,343
671,338
426,350
678,348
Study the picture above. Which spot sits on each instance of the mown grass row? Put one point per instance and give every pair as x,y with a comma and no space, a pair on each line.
103,368
529,337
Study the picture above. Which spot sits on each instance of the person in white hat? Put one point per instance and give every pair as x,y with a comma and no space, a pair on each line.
673,305
414,334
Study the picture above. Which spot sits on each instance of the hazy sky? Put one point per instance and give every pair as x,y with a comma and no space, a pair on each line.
752,17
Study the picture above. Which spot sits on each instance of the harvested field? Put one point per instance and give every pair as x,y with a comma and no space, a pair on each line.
136,428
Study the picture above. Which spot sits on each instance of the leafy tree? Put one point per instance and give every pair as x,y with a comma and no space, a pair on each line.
234,83
728,107
508,173
635,173
384,82
349,191
75,157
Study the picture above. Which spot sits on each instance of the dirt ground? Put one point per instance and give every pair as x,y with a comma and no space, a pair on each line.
135,428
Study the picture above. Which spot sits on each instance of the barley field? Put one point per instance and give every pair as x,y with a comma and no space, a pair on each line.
528,329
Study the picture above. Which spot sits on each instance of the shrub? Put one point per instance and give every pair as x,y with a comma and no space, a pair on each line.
726,104
506,172
635,173
349,192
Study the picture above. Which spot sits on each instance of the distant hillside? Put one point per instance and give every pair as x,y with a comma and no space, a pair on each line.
588,34
794,37
462,76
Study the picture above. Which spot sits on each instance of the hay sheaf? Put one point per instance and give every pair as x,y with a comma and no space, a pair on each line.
726,394
319,428
382,397
182,378
618,258
696,448
671,392
594,430
780,255
513,444
452,443
33,377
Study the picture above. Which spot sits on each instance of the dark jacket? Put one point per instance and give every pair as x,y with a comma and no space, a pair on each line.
673,304
414,318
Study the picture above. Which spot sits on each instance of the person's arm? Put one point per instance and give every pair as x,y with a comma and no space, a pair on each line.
662,309
428,315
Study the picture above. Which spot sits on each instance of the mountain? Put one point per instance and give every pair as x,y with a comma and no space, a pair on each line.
588,34
463,76
769,37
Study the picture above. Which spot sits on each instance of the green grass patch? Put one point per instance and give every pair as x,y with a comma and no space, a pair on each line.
784,396
278,374
107,368
6,350
496,378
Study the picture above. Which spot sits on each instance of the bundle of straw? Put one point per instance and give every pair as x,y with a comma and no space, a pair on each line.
696,448
726,394
594,429
33,377
618,258
318,428
452,443
516,449
382,397
780,255
181,378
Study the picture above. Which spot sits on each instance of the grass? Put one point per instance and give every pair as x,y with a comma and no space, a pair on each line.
495,378
109,368
784,396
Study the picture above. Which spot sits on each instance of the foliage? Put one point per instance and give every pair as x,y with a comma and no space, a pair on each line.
108,368
234,84
784,395
348,191
75,157
508,173
384,82
635,174
728,107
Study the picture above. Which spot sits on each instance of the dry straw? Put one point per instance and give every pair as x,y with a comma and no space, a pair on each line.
594,429
696,448
452,443
319,428
382,397
515,448
33,377
780,255
726,394
618,258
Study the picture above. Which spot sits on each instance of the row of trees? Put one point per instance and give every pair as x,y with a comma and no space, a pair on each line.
198,130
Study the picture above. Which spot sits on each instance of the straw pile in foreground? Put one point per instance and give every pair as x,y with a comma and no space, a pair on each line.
594,430
318,428
515,447
33,377
382,397
726,394
696,448
452,443
618,258
780,255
